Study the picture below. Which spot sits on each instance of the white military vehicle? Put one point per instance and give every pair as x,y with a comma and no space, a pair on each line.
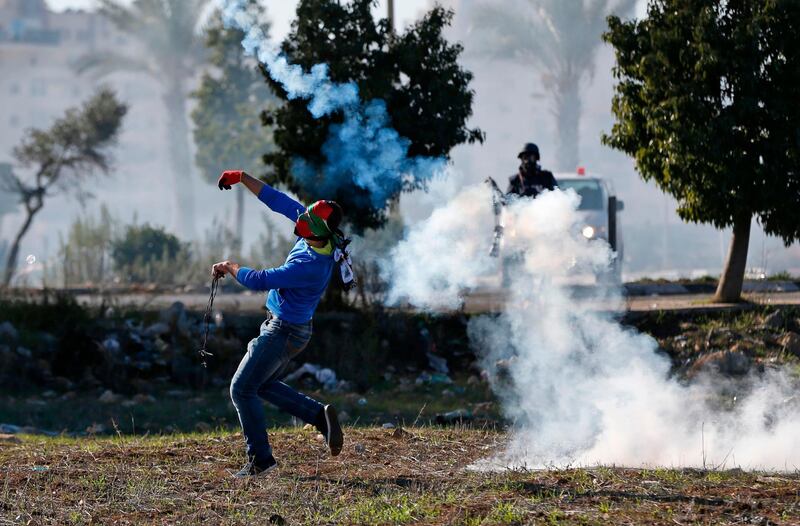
599,209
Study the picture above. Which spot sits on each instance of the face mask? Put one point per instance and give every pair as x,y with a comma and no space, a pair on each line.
528,165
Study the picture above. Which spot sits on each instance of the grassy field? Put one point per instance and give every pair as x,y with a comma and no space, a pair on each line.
419,476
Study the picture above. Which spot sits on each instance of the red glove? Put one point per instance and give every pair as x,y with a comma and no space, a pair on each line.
228,178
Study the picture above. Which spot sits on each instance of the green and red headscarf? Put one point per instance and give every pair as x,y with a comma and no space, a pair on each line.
321,221
314,223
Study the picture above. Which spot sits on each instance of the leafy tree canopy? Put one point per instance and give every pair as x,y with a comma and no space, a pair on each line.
144,244
707,104
416,73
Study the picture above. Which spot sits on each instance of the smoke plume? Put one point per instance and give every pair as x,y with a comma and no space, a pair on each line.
579,387
364,150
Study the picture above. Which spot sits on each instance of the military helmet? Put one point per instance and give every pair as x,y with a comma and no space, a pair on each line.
528,149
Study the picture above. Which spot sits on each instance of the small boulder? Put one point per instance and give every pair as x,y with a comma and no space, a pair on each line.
8,333
776,320
6,439
175,317
157,329
791,343
109,397
144,399
730,363
459,416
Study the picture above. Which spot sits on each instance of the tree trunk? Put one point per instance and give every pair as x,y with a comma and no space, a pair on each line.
729,289
567,112
240,191
180,159
11,261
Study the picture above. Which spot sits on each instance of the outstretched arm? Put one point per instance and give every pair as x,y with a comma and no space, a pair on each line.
288,275
276,200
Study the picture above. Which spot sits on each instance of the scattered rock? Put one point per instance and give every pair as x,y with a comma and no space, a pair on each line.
388,425
324,376
362,402
776,320
432,379
25,353
175,317
6,438
360,449
144,399
437,363
108,397
401,433
10,428
730,363
111,345
459,416
277,519
157,329
791,343
47,342
8,332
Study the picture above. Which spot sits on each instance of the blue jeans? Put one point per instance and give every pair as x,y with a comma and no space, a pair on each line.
258,377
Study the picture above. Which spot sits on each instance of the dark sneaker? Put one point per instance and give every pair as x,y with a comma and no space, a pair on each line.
254,468
331,430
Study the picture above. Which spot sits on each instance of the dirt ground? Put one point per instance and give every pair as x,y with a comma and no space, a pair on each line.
383,476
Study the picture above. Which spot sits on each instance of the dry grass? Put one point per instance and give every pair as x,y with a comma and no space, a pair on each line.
378,479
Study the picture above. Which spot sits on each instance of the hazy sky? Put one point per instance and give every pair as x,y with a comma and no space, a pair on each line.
281,11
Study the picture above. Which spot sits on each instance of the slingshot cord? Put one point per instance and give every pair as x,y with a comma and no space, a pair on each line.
207,319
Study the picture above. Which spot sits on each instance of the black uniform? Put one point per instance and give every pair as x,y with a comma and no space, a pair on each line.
531,184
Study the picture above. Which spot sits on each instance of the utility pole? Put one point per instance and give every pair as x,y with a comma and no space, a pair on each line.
390,14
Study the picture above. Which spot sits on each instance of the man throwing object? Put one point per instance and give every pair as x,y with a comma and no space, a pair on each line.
295,290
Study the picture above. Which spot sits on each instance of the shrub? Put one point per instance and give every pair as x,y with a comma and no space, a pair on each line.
146,253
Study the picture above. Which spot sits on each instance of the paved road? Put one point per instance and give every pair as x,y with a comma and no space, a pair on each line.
474,303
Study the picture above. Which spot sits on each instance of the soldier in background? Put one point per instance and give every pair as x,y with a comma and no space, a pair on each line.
531,180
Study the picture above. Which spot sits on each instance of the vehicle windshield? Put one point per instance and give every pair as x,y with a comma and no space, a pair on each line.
589,189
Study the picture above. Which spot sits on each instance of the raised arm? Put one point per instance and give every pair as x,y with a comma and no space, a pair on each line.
276,200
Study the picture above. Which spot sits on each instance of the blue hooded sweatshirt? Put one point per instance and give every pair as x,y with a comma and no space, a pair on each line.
296,287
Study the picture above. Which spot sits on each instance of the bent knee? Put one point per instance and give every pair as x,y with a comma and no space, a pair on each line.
240,390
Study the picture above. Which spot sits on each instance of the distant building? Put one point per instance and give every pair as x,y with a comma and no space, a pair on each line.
38,82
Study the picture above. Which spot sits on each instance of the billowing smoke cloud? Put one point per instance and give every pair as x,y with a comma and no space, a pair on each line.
364,150
579,387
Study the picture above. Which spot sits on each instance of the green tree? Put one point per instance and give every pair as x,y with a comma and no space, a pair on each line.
145,252
707,105
416,73
62,158
168,30
227,132
558,38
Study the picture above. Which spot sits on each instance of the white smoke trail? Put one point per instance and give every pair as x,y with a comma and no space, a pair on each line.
579,387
